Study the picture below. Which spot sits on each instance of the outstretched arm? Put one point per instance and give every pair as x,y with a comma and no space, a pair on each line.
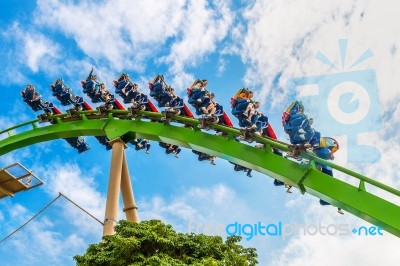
90,74
156,78
194,83
124,75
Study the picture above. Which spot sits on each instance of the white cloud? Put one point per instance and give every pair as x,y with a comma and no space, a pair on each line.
63,230
17,210
181,33
196,204
37,48
30,49
206,210
336,249
33,49
344,250
80,187
329,250
6,124
201,30
285,36
222,63
40,241
281,36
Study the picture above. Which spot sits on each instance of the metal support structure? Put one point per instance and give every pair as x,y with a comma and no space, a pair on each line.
16,178
130,207
119,180
114,184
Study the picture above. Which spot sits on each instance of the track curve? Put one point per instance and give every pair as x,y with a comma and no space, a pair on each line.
121,124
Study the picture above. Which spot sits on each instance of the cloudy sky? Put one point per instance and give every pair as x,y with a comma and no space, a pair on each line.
341,58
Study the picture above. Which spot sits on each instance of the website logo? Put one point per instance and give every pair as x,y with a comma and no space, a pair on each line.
344,103
282,230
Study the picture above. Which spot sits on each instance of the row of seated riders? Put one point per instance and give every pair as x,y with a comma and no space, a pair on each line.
97,93
242,106
295,122
33,99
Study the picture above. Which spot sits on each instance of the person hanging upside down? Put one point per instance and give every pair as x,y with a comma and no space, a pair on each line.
205,157
238,168
142,144
174,149
170,148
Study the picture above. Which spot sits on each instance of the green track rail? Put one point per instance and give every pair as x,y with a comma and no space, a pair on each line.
120,124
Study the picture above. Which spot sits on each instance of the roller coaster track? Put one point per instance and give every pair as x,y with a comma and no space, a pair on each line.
117,124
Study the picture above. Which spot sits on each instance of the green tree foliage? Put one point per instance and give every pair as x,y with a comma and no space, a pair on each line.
155,243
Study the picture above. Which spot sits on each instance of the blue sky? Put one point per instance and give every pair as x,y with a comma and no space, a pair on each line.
262,45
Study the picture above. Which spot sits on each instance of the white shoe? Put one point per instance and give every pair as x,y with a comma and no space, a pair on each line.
176,155
219,133
147,152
